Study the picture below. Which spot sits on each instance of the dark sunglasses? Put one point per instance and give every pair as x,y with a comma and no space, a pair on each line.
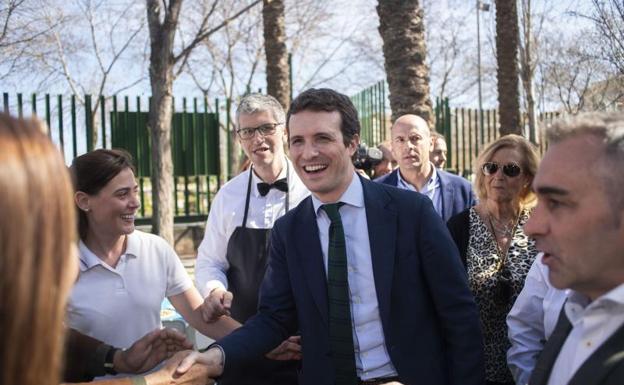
510,169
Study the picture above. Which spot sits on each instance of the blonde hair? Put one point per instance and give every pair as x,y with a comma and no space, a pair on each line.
530,162
37,230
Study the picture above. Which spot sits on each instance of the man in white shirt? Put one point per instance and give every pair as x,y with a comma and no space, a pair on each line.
579,225
232,257
367,273
532,320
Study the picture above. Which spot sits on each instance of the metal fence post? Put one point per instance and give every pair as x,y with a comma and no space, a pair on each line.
89,122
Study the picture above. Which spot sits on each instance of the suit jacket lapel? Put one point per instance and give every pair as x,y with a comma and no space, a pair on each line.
311,256
393,178
448,195
551,350
382,231
608,356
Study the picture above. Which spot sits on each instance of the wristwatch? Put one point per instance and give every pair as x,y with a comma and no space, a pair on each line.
108,361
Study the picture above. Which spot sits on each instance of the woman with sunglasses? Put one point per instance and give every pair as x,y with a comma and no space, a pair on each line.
492,244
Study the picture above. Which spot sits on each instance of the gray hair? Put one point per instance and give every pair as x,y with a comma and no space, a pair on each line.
253,103
608,127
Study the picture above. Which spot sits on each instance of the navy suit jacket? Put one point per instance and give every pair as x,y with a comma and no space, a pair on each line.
457,194
429,318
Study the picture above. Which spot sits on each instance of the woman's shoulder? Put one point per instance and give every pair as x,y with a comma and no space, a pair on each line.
146,243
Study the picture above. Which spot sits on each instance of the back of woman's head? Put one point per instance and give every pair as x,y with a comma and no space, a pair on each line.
37,232
92,171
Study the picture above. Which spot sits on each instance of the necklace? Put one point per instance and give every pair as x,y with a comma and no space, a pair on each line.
505,230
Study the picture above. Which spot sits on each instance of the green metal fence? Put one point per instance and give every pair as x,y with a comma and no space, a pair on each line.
74,124
77,126
467,131
371,106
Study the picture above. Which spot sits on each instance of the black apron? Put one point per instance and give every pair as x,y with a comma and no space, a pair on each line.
247,255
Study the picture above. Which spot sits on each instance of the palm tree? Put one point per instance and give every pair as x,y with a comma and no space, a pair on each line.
402,29
507,41
277,70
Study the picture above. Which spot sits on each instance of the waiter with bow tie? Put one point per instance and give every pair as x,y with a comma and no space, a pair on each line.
232,257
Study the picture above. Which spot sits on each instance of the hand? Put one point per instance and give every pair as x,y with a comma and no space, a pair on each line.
290,349
216,304
150,350
213,358
195,375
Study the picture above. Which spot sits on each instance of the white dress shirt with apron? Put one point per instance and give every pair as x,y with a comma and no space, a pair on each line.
246,259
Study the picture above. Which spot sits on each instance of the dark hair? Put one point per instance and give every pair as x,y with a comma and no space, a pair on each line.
325,99
92,171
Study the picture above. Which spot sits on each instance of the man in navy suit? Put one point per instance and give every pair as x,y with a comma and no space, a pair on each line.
358,266
412,144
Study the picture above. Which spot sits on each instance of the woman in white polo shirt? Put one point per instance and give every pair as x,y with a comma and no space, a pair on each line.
124,273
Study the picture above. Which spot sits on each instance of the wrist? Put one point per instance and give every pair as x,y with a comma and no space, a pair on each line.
119,362
213,356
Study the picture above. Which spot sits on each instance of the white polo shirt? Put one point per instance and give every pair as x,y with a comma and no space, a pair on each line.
120,305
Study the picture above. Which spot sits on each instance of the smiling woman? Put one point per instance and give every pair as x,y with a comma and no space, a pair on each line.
124,273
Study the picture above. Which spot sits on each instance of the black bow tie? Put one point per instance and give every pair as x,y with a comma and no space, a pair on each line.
280,184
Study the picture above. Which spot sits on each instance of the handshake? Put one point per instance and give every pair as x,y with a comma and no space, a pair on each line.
195,368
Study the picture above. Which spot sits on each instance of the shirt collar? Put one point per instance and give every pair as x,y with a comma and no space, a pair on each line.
133,244
88,259
432,182
353,195
577,304
255,179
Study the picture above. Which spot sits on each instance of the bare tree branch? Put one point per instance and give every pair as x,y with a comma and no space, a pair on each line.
202,34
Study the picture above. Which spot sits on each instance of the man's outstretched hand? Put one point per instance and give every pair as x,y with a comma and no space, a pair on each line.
212,358
197,374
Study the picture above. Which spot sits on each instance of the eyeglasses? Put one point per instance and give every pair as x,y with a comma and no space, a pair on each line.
264,130
511,169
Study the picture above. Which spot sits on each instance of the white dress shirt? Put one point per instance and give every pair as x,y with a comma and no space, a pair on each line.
592,324
371,357
430,189
532,320
226,214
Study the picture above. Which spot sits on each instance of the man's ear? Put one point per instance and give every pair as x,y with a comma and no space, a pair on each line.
353,145
82,200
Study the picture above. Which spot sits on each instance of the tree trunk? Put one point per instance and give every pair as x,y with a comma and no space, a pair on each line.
507,60
159,120
527,69
402,29
277,70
